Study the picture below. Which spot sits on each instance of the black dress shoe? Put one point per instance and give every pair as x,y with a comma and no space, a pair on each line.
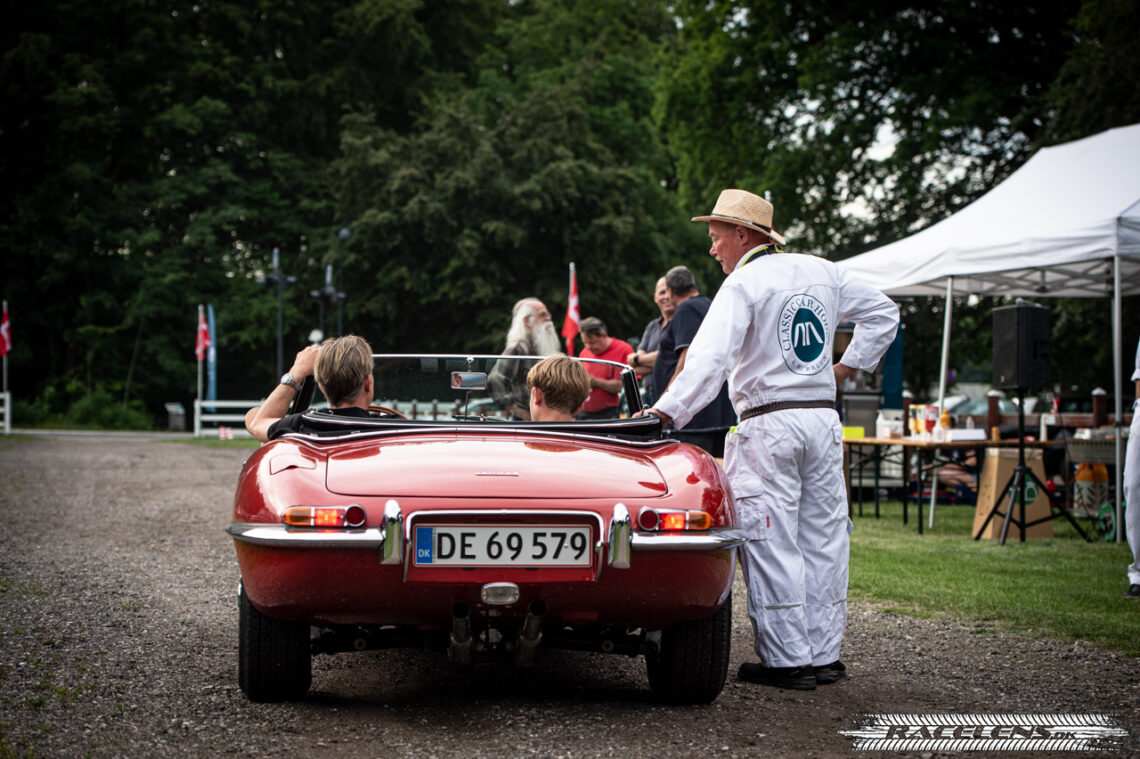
829,673
1133,591
792,678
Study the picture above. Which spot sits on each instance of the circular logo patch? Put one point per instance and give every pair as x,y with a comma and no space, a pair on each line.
804,327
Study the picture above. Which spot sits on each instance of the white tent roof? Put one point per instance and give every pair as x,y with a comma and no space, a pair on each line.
1061,226
1051,229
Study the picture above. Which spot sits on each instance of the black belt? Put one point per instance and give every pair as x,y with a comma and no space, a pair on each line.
767,408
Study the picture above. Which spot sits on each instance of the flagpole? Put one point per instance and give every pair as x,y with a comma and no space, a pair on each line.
7,411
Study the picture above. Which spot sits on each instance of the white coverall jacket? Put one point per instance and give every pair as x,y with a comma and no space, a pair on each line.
1132,484
769,331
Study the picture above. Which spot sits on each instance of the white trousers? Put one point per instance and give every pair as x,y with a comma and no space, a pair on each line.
786,470
1132,495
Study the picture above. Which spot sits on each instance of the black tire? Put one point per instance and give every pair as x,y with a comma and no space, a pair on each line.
692,664
274,657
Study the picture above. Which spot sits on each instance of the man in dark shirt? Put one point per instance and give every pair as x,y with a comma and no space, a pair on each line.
709,425
343,369
645,357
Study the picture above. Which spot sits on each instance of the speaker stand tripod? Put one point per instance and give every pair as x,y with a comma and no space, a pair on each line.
1015,488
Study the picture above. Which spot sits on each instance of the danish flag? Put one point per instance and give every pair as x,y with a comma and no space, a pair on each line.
570,323
5,333
203,341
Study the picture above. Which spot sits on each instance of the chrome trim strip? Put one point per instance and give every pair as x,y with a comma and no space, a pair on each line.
392,529
719,539
621,530
282,536
516,512
279,535
514,429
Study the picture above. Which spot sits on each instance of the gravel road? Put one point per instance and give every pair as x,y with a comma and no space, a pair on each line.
118,637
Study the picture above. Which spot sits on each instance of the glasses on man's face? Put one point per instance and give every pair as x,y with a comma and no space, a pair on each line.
541,315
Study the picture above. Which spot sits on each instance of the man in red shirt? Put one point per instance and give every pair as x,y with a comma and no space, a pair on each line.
605,381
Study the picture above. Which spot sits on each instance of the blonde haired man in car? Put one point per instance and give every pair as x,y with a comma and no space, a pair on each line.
558,387
343,370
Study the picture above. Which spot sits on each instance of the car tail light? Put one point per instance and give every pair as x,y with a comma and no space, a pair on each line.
327,517
670,520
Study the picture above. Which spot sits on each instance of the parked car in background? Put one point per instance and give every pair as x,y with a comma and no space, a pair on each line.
483,538
961,405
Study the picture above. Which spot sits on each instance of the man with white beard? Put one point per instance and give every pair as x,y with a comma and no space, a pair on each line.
531,333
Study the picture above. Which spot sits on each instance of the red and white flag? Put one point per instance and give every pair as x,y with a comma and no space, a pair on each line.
203,341
570,323
5,333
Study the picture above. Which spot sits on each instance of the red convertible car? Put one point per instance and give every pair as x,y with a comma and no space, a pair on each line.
439,523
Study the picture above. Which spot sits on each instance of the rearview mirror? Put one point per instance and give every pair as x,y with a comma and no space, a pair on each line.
469,380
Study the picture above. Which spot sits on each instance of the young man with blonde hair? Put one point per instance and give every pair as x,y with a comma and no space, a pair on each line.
343,370
558,387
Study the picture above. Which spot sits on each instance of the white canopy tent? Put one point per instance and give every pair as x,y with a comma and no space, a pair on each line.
1064,225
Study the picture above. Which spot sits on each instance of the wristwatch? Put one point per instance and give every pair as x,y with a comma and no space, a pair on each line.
287,379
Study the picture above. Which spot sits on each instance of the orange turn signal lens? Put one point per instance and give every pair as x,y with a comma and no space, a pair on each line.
327,517
699,520
672,521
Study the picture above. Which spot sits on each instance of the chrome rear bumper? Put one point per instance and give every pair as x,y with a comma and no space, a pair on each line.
390,537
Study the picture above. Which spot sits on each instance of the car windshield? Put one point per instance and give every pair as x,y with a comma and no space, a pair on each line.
448,386
980,406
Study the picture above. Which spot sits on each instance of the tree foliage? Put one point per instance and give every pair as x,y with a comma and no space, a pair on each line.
865,121
154,154
868,122
550,157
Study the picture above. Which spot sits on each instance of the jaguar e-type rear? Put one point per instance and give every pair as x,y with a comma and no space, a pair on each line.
487,540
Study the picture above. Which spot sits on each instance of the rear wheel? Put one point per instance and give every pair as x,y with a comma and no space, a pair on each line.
274,659
692,664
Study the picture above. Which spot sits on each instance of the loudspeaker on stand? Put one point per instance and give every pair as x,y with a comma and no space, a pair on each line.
1021,346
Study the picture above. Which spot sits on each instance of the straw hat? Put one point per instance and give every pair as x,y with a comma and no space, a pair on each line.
743,208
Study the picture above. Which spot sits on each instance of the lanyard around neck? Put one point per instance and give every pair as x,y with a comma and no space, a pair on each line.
763,250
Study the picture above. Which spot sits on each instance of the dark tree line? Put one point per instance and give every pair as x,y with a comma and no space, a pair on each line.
154,153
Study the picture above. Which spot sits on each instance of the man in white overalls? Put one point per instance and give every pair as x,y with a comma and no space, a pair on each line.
769,331
1132,489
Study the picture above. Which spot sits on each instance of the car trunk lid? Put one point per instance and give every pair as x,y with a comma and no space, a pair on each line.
484,467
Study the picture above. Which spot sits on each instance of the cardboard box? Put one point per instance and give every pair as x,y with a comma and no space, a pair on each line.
996,472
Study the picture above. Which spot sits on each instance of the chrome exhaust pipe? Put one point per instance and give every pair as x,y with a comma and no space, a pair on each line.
530,634
460,644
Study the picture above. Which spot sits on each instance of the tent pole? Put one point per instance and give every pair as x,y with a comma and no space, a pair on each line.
1116,365
945,366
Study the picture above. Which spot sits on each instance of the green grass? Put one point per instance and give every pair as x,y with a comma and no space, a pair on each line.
1060,587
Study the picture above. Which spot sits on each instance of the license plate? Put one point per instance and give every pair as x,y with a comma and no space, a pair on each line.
502,545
